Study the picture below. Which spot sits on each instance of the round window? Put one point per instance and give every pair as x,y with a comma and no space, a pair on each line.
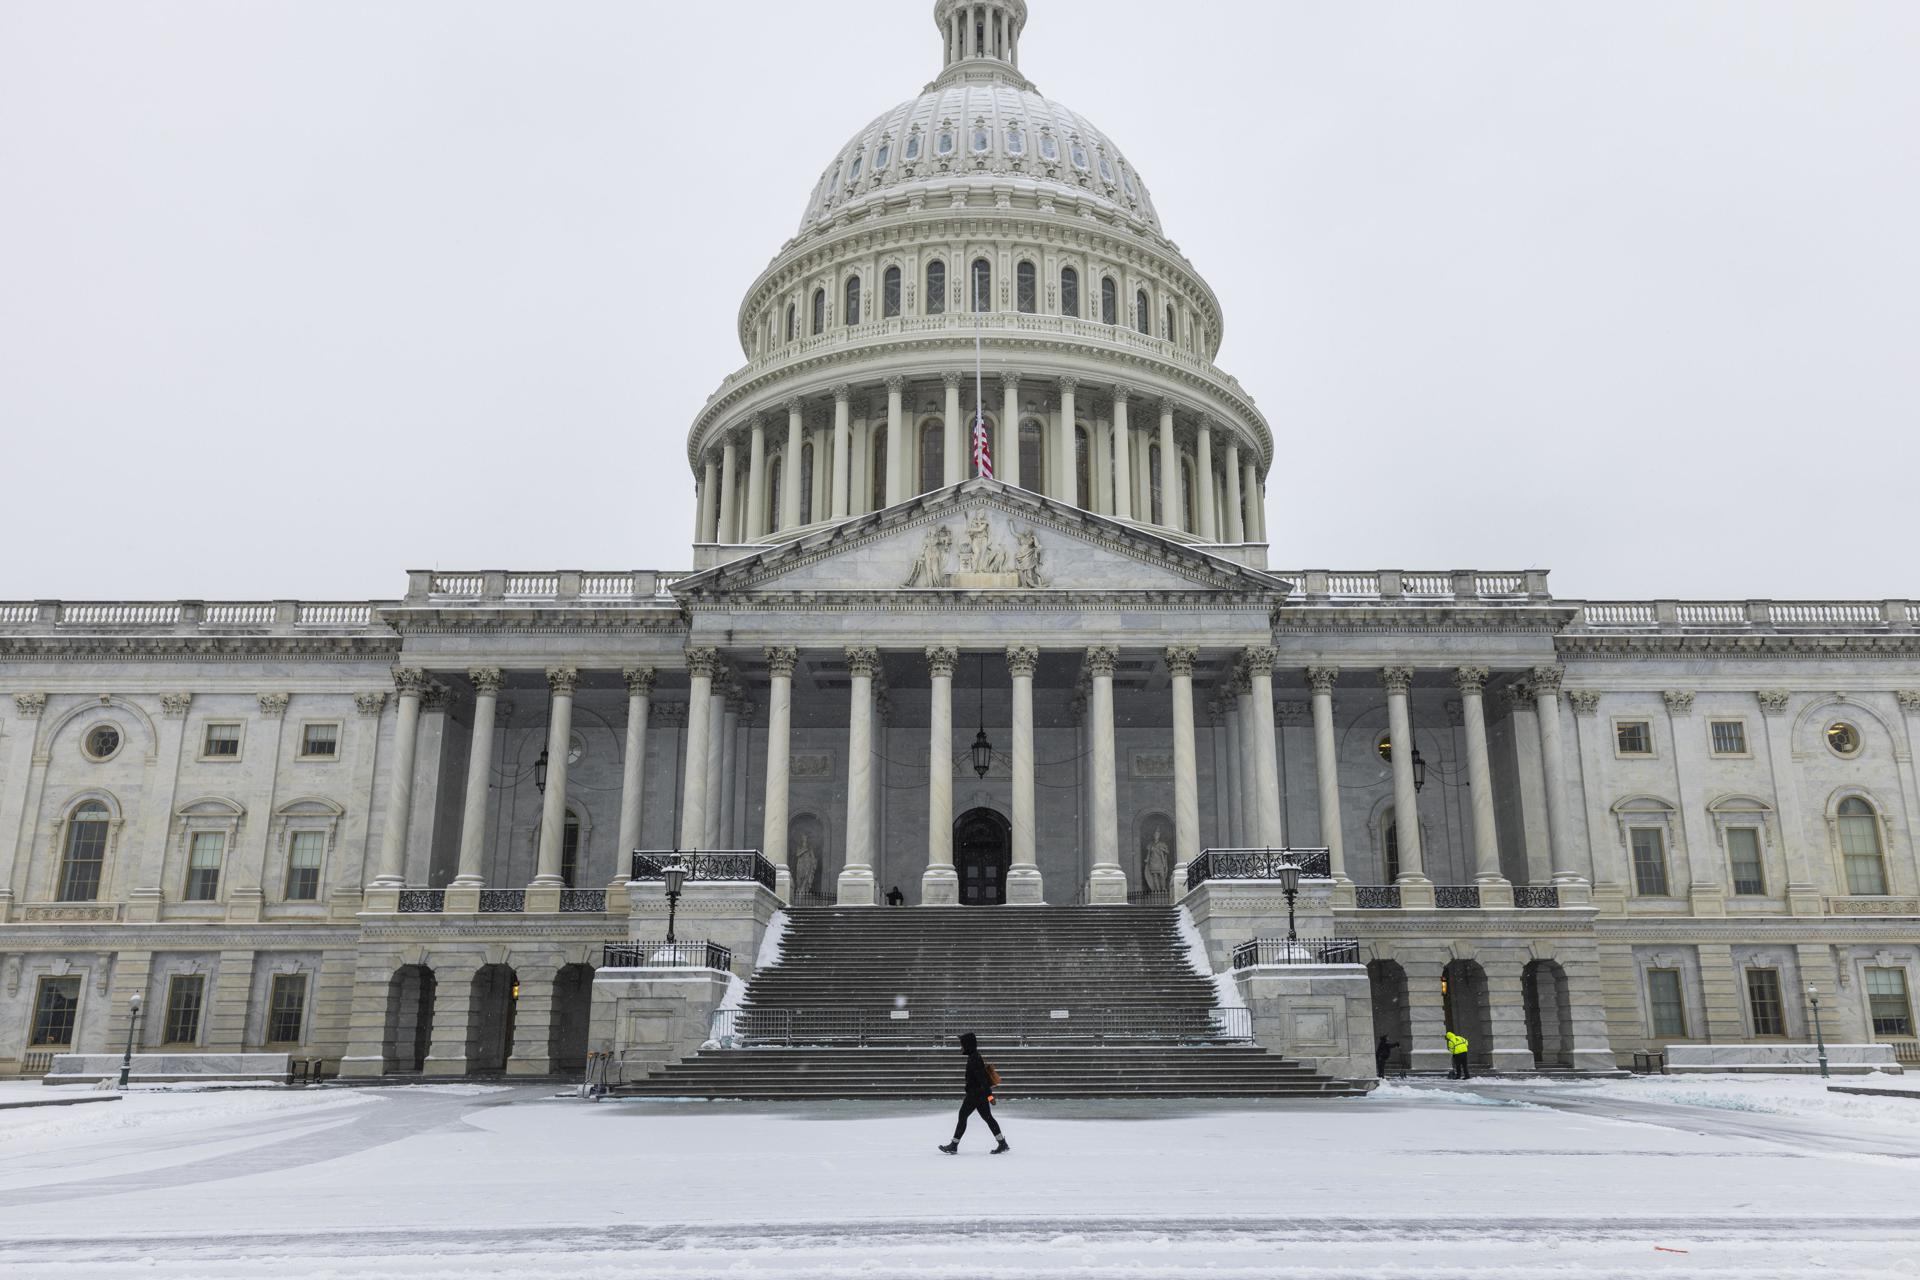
1843,738
102,741
1385,747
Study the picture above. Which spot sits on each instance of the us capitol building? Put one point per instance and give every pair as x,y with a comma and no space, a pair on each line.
395,834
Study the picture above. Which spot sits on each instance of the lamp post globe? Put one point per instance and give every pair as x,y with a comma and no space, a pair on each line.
133,1026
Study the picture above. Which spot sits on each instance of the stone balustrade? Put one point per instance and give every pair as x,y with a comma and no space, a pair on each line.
563,586
1404,586
1758,617
193,617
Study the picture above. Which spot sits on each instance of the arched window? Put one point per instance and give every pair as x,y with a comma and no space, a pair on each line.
879,465
793,323
933,455
819,311
890,293
936,301
770,518
1109,301
1191,507
806,483
1069,292
1027,288
1393,852
1082,467
570,850
1168,335
1859,828
85,855
1156,490
1033,456
853,301
982,291
1141,312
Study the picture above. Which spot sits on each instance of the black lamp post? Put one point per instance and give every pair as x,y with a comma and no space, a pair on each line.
133,1030
1289,873
982,750
675,874
1813,995
1419,771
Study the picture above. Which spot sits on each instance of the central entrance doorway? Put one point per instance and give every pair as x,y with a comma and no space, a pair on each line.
982,849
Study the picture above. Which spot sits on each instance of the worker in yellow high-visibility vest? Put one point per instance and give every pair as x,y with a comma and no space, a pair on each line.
1457,1046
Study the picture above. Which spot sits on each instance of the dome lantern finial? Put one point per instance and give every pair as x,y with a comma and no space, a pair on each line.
980,30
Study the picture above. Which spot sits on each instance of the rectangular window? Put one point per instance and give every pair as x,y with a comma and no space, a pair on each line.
287,1009
320,741
1649,862
1763,1002
184,992
303,865
1633,737
222,741
203,865
1743,852
55,1005
1729,737
1663,1000
1887,1002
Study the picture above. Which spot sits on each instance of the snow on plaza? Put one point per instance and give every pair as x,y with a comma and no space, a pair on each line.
1749,1176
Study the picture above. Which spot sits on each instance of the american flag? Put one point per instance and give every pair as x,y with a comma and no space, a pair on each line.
982,456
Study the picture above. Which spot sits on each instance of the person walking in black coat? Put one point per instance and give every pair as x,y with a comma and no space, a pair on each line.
1380,1052
979,1097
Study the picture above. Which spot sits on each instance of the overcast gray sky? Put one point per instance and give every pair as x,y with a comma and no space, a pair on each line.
297,296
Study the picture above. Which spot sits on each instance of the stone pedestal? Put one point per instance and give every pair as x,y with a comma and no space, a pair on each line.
733,913
649,1018
1230,912
1321,1014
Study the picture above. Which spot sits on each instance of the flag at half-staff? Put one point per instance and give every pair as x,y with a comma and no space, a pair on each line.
982,455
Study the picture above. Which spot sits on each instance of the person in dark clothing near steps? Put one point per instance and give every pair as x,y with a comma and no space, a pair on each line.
979,1097
1380,1053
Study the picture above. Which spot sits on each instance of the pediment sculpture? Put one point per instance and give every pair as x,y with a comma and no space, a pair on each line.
985,565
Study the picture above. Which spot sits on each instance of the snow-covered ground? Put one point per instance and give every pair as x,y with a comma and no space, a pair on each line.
1721,1176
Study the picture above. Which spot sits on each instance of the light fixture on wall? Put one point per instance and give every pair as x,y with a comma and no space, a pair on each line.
1419,771
540,765
982,748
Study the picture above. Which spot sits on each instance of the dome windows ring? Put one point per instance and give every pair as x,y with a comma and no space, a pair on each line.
982,290
943,143
912,152
1049,148
982,140
853,174
936,301
882,156
1069,292
1078,154
1026,288
1016,141
890,293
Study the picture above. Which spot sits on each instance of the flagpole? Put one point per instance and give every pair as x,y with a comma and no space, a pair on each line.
979,407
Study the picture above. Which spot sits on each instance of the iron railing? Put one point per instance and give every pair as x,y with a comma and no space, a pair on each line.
1376,897
666,955
422,902
715,864
1257,864
582,901
827,1028
1259,951
1536,895
1456,897
502,901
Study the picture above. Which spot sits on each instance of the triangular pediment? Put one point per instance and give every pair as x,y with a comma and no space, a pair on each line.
980,536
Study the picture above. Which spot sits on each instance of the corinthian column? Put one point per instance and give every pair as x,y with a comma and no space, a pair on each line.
1265,754
1006,444
1108,882
1123,460
842,448
633,763
693,805
553,810
409,683
1326,767
898,453
1398,681
940,885
473,814
1472,683
1546,705
1172,495
790,469
856,878
757,481
1023,876
773,817
1236,524
1066,486
956,443
1186,768
1203,481
729,527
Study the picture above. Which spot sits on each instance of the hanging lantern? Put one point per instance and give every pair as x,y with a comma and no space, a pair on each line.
1419,770
982,753
540,772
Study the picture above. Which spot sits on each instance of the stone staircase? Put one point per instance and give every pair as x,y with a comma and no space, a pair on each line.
1068,1002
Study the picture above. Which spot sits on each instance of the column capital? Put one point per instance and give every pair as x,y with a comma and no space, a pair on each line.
941,659
1773,702
1168,407
367,704
639,680
669,715
1546,679
1180,659
409,680
1067,384
952,378
486,680
842,392
432,698
1322,679
1209,424
862,660
1679,701
562,679
703,662
758,424
896,383
1470,679
795,404
781,660
172,705
1396,679
1101,660
1122,393
29,705
1909,699
1259,660
1022,659
1584,701
1009,381
274,705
